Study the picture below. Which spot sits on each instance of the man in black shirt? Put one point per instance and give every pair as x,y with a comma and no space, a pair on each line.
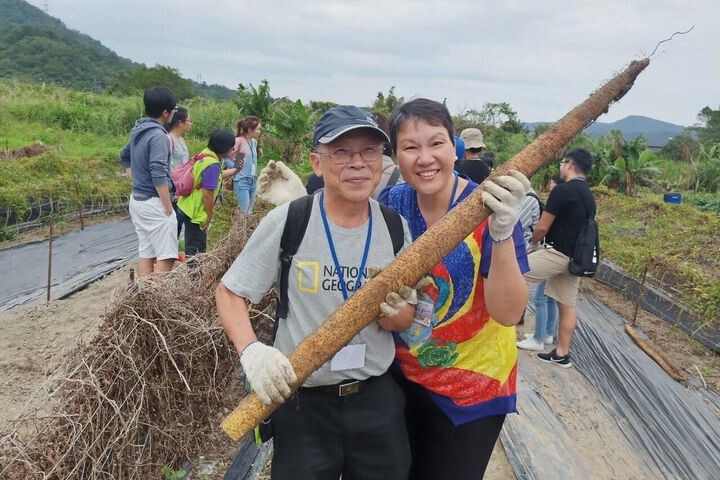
569,206
472,166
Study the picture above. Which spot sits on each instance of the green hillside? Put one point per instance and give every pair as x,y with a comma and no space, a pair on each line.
22,13
36,47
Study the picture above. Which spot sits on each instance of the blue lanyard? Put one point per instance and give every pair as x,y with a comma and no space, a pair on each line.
419,213
340,275
454,191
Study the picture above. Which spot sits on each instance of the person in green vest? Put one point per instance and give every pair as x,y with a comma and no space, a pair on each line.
195,211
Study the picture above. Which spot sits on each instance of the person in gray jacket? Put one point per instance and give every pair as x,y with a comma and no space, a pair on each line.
148,158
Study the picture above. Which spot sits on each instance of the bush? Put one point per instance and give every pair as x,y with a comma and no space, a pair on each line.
207,115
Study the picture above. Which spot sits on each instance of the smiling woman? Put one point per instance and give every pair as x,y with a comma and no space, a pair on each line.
457,363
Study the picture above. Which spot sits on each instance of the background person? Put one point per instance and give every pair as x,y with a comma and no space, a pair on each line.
196,210
471,164
245,151
147,155
457,363
568,208
179,125
459,151
546,309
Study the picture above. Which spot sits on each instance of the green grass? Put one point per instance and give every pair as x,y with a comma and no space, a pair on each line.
678,241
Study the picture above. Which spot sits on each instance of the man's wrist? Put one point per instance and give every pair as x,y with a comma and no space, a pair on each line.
245,347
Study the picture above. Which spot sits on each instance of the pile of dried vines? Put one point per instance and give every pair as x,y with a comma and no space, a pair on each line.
147,390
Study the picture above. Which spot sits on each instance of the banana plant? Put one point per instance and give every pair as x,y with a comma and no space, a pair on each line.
292,122
635,167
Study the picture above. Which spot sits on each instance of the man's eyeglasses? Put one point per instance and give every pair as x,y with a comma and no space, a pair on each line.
343,156
564,162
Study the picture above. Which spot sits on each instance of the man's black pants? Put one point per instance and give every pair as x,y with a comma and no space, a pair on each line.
319,435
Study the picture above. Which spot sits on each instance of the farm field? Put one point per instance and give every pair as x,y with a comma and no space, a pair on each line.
120,375
80,166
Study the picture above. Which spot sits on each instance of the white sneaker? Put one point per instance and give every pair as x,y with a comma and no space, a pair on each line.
549,339
531,344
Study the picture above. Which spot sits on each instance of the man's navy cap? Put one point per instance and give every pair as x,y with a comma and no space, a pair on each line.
340,120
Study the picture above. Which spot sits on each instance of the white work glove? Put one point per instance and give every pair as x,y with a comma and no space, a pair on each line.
278,184
504,196
268,371
396,301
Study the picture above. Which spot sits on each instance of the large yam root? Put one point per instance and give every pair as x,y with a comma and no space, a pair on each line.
658,356
363,307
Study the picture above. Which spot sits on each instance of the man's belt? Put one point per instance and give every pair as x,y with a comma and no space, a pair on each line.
342,389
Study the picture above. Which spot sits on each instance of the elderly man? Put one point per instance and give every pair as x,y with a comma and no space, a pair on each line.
347,419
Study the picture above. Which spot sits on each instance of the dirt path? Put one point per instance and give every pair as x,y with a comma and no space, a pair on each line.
36,337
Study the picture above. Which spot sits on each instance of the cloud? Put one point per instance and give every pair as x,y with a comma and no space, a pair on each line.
541,57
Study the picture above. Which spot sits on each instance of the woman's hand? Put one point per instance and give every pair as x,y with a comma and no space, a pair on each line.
504,196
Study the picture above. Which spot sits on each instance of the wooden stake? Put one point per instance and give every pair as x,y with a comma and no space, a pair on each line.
641,293
80,206
49,275
429,249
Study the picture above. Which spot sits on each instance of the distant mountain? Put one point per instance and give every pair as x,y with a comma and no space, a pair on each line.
37,47
22,13
656,132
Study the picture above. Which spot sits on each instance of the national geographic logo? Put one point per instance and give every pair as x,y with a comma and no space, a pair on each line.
313,277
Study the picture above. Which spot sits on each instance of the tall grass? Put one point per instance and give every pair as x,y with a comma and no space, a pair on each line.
60,109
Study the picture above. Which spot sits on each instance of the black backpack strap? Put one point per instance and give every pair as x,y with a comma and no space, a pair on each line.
295,225
541,205
394,177
395,227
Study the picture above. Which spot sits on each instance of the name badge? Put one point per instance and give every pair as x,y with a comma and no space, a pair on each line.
349,358
424,313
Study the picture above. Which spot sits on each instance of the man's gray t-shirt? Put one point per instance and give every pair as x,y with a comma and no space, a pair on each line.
313,287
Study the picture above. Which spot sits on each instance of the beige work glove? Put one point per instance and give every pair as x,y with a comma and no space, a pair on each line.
396,301
269,372
278,184
504,196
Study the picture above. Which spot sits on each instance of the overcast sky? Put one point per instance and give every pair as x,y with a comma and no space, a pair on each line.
541,57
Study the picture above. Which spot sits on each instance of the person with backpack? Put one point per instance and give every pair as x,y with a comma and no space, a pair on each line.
390,171
457,363
571,247
196,206
147,157
546,309
347,419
